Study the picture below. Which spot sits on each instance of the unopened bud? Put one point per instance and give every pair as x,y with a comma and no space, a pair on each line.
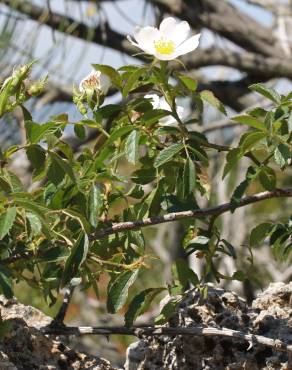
37,87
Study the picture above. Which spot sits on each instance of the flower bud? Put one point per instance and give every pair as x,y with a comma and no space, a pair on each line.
37,87
95,82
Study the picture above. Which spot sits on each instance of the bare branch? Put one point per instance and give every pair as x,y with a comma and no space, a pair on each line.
247,62
275,344
197,213
100,35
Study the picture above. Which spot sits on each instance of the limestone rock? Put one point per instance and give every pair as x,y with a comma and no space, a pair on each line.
24,347
270,316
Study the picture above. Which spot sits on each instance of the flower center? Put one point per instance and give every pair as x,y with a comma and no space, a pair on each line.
164,46
91,82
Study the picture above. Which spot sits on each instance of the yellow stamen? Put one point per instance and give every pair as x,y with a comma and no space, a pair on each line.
164,46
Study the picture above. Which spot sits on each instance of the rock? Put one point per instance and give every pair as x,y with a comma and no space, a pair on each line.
24,347
270,316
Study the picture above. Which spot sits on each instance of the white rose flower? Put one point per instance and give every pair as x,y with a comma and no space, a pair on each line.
160,103
95,81
168,42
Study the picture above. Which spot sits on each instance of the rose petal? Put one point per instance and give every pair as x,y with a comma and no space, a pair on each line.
187,46
145,38
175,31
167,26
155,100
163,104
180,32
164,56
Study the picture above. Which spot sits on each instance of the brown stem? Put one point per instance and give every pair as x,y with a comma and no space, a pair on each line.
197,213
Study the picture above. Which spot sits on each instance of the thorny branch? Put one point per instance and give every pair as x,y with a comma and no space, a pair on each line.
197,213
174,216
276,344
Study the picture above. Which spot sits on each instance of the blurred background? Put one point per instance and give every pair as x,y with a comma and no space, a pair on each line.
243,42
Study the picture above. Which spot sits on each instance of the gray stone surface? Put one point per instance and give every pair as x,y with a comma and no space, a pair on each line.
270,316
24,347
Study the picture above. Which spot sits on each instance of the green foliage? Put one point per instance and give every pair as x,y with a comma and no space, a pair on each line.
118,290
61,230
140,304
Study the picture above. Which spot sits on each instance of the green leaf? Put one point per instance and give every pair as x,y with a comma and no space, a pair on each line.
80,131
230,249
250,139
63,165
55,173
166,130
167,311
200,154
185,274
239,275
35,208
110,72
250,121
54,254
34,223
267,92
259,233
167,154
10,182
77,256
188,82
4,97
80,218
26,114
140,304
120,132
258,112
200,242
153,116
36,155
189,177
210,98
36,132
282,155
132,80
154,199
136,241
31,206
232,158
95,203
132,147
118,290
6,221
136,192
268,178
144,176
251,174
106,111
5,282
